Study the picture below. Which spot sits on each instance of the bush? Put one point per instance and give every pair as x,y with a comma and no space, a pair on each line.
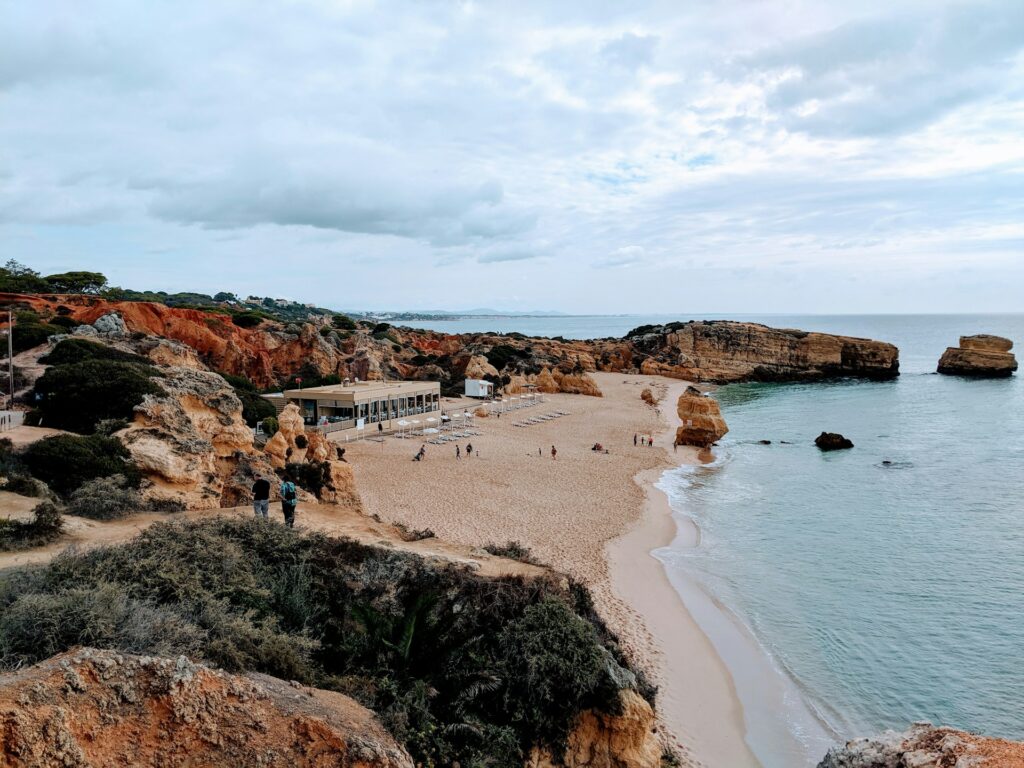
76,350
255,407
65,462
105,498
30,336
513,550
44,527
343,323
459,668
270,426
247,319
312,476
79,395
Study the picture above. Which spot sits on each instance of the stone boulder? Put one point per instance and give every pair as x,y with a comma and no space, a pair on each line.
282,446
702,419
97,708
342,487
111,324
188,439
478,368
832,441
981,356
647,396
926,746
577,384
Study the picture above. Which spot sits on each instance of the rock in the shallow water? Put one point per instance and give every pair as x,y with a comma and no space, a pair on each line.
832,441
980,356
702,419
102,708
926,746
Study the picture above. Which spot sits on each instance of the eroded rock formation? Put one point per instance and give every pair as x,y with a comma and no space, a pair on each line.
600,740
723,351
702,419
188,439
980,356
546,382
102,708
926,746
832,441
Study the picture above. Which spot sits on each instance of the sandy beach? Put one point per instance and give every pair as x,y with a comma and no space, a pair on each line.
593,515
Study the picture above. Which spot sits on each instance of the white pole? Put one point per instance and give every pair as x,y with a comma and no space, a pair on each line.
10,355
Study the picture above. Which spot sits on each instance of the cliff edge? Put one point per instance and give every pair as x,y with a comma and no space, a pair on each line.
926,746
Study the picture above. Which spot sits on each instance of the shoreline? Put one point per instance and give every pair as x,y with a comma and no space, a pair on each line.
746,712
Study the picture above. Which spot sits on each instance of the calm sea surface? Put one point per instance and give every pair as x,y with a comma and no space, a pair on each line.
888,592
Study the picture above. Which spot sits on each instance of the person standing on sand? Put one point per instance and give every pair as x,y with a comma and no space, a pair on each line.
289,500
469,450
458,452
261,497
634,439
554,453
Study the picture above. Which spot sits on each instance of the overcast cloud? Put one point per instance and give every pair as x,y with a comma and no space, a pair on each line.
742,156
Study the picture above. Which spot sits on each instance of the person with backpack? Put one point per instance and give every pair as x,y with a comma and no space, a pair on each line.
261,497
289,500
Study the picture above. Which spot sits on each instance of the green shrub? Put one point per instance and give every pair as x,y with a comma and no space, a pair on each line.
44,527
270,426
312,476
75,350
79,395
343,323
105,498
247,319
459,668
513,550
255,407
30,336
238,381
65,462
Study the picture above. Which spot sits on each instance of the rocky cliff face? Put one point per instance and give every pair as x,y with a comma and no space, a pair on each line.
102,708
723,351
189,440
926,746
980,356
702,419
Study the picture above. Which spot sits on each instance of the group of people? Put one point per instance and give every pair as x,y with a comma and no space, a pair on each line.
646,441
289,499
422,452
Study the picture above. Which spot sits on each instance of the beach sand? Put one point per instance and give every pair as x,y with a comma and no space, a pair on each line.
595,516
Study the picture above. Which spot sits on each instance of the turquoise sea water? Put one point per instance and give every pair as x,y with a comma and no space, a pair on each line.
888,592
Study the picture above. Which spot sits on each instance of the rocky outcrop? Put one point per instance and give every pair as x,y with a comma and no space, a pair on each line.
188,439
832,441
926,746
722,351
980,356
477,367
577,384
283,446
600,740
703,424
102,708
647,396
546,382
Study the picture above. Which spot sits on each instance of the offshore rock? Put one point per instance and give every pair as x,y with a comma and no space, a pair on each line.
723,351
702,419
102,708
832,441
926,746
982,356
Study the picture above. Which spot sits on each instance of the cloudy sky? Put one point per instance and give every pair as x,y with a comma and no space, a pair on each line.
679,157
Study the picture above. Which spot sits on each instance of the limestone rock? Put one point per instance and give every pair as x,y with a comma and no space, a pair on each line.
188,439
478,368
102,708
647,396
170,353
926,746
578,384
832,441
318,447
980,356
723,351
342,488
702,419
600,740
276,450
111,324
546,382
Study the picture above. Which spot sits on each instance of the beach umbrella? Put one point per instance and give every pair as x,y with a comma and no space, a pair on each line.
403,424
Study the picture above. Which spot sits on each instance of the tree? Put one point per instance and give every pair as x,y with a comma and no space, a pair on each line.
343,322
77,396
15,277
17,269
224,296
77,282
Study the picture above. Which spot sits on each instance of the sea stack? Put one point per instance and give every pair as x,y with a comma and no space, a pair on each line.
702,419
981,356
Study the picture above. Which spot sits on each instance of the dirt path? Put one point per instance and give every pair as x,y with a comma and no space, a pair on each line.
337,521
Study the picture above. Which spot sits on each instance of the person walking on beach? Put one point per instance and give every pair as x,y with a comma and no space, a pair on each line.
634,439
469,450
261,497
554,453
289,500
458,452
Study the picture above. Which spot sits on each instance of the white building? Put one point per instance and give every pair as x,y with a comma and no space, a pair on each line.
479,388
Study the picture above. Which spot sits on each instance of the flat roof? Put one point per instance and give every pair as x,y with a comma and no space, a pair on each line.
364,390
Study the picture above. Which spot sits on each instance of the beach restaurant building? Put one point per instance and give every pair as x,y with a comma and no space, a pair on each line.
361,403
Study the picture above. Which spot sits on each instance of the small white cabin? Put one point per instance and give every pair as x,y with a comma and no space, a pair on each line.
479,388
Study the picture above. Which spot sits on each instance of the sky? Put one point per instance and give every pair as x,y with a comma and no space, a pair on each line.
586,157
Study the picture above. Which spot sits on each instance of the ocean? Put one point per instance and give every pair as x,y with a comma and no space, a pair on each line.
885,583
